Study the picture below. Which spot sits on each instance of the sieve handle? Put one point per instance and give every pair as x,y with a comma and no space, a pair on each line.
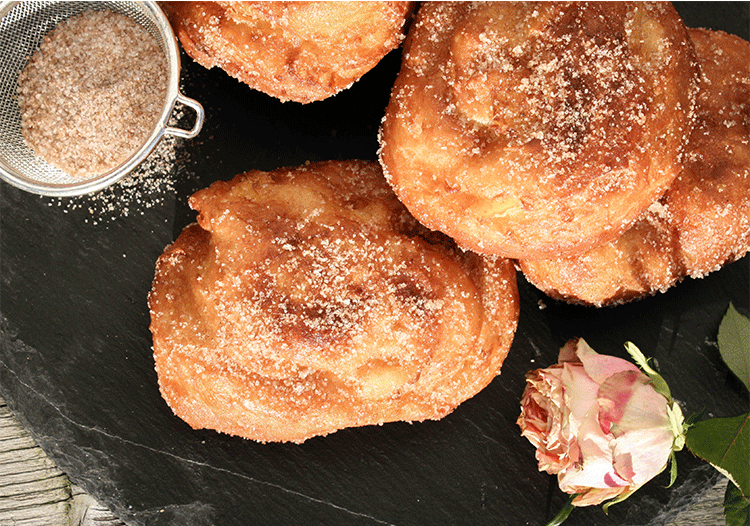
199,115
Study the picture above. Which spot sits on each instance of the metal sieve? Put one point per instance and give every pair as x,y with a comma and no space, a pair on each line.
23,25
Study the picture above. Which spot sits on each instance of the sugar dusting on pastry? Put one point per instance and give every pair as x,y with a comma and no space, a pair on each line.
306,300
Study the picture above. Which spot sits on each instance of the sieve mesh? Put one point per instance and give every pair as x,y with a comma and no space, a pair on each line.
22,27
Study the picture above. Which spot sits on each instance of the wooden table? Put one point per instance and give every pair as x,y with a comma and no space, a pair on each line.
34,492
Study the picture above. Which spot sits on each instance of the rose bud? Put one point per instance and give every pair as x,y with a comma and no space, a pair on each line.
600,424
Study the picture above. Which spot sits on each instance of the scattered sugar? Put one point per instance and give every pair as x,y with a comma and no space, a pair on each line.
146,187
92,93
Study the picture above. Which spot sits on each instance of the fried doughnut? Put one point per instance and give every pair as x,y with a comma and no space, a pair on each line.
702,222
538,129
298,51
307,300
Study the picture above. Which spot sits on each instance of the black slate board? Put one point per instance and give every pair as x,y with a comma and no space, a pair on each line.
76,363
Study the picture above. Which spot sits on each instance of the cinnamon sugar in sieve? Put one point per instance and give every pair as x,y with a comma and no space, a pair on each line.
91,95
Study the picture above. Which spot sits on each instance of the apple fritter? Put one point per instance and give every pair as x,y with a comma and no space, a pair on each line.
306,300
294,51
534,130
702,222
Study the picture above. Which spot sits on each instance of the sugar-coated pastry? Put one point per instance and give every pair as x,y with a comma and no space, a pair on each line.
702,222
306,300
532,130
294,51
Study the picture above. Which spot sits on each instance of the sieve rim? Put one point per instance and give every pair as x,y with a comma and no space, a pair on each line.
161,127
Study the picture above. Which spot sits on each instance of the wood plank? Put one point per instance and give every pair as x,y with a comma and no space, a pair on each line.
34,491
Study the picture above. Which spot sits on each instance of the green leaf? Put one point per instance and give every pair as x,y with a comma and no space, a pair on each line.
563,513
725,443
660,385
734,343
678,426
672,469
621,497
736,507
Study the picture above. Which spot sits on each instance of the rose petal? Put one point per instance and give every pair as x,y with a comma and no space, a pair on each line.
614,396
640,456
596,469
580,393
544,420
600,366
636,415
594,496
645,408
568,351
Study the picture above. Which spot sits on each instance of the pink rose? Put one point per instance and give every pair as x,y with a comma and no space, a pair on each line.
598,424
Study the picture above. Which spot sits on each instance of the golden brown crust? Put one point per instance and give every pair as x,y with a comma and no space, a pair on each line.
531,130
298,51
702,222
307,300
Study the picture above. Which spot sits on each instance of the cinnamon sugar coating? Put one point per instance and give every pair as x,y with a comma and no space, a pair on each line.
294,51
538,129
91,94
702,222
306,300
